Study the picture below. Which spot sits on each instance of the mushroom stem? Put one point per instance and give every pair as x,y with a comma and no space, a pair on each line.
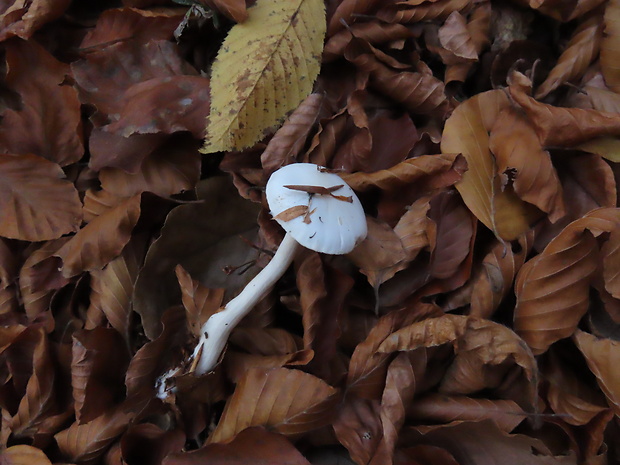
215,331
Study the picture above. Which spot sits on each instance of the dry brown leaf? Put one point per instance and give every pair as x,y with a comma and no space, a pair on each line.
439,408
479,346
553,287
561,127
603,357
9,271
381,255
200,302
580,51
322,294
348,10
611,263
606,147
39,79
112,288
98,367
414,229
610,45
567,393
101,240
255,444
172,168
469,441
425,11
478,28
233,9
36,202
418,92
456,39
22,19
368,368
289,140
131,23
287,401
434,171
40,277
455,229
150,444
87,442
358,428
499,269
24,455
467,132
525,164
373,32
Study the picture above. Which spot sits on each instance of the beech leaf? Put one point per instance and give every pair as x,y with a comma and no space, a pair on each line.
36,203
467,132
287,401
610,45
265,68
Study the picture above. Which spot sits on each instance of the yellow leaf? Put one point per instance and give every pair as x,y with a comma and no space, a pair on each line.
265,68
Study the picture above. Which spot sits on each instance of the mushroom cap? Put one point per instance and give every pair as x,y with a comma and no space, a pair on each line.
317,215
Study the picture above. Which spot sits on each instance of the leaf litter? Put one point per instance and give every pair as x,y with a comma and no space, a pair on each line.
478,323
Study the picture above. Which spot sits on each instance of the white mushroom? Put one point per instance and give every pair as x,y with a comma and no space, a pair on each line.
318,210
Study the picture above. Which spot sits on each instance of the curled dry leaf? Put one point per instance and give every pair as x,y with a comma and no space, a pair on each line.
480,343
568,394
520,157
112,288
381,255
611,263
603,356
372,32
414,229
36,202
290,402
246,90
423,11
288,141
498,270
456,39
418,92
610,45
101,240
433,171
200,302
263,446
561,127
322,294
467,441
439,408
580,51
467,132
347,11
553,287
23,19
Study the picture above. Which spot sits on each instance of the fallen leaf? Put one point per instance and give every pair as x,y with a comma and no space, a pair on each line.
39,79
603,357
439,408
580,51
22,19
467,132
455,38
265,447
24,455
37,204
521,158
288,141
101,240
609,45
274,45
287,401
421,11
553,287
